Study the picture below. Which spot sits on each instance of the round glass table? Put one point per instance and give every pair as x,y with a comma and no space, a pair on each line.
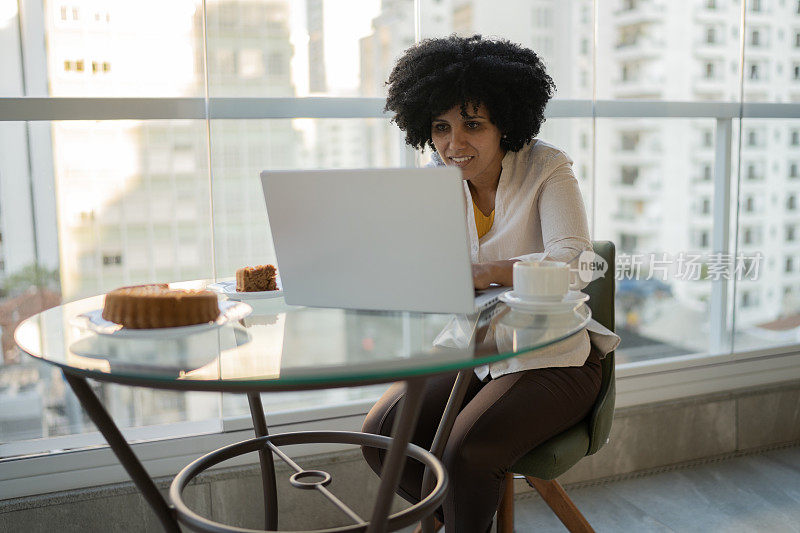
279,347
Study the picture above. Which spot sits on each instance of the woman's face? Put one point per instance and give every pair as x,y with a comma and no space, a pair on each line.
470,142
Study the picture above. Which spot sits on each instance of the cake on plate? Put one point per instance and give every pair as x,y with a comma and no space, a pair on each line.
158,306
256,279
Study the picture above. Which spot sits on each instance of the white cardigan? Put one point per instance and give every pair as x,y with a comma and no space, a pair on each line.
538,208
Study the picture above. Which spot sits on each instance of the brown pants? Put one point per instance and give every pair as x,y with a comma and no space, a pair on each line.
499,422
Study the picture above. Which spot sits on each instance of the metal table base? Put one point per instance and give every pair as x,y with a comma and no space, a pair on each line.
398,446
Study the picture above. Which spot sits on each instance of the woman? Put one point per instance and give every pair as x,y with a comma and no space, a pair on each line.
478,104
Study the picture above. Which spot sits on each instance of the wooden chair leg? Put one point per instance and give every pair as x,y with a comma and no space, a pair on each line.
553,494
505,511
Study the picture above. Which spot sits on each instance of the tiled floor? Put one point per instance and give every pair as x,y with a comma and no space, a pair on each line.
756,493
752,493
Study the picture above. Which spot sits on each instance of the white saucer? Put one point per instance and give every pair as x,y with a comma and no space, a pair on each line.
94,321
570,302
228,288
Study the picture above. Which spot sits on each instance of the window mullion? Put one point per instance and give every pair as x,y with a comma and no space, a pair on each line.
721,232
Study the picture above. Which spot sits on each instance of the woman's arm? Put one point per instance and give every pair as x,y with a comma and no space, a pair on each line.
500,272
565,231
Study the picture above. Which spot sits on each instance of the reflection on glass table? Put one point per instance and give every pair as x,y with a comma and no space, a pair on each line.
279,347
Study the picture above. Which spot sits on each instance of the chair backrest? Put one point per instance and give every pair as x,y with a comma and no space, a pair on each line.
601,302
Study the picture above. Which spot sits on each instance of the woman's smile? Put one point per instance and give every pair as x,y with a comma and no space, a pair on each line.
462,161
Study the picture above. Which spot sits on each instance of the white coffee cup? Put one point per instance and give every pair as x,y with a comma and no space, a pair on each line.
541,280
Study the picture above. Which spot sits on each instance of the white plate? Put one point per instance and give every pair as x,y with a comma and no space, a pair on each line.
570,301
228,288
94,321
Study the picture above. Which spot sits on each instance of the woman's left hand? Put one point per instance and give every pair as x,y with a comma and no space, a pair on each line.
500,272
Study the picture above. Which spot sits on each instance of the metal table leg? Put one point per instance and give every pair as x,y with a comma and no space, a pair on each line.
268,482
443,434
403,428
123,451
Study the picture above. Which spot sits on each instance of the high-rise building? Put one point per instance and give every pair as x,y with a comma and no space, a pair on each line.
133,197
659,50
317,80
654,177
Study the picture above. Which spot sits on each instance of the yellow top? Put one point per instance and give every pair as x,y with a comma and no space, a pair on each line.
483,223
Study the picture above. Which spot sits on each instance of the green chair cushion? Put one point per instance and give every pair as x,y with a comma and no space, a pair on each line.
557,455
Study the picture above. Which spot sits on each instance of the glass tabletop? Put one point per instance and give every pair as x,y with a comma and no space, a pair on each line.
283,347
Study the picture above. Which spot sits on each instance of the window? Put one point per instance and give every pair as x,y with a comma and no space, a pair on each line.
755,38
794,138
711,4
711,35
706,172
749,298
790,233
628,243
708,138
752,138
796,71
63,12
702,239
797,39
751,235
705,208
753,71
752,172
112,259
629,141
710,72
791,202
788,264
629,175
793,173
749,204
755,6
629,5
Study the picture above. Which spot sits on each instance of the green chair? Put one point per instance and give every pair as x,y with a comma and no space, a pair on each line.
550,459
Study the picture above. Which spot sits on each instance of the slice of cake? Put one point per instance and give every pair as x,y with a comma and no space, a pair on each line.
158,306
256,278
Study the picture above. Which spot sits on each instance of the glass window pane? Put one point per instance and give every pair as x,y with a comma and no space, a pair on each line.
114,203
658,50
120,49
767,304
304,47
241,149
536,25
655,200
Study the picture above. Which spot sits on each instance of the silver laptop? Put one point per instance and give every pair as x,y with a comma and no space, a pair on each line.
378,239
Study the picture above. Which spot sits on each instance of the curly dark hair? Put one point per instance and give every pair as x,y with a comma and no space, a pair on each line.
435,75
